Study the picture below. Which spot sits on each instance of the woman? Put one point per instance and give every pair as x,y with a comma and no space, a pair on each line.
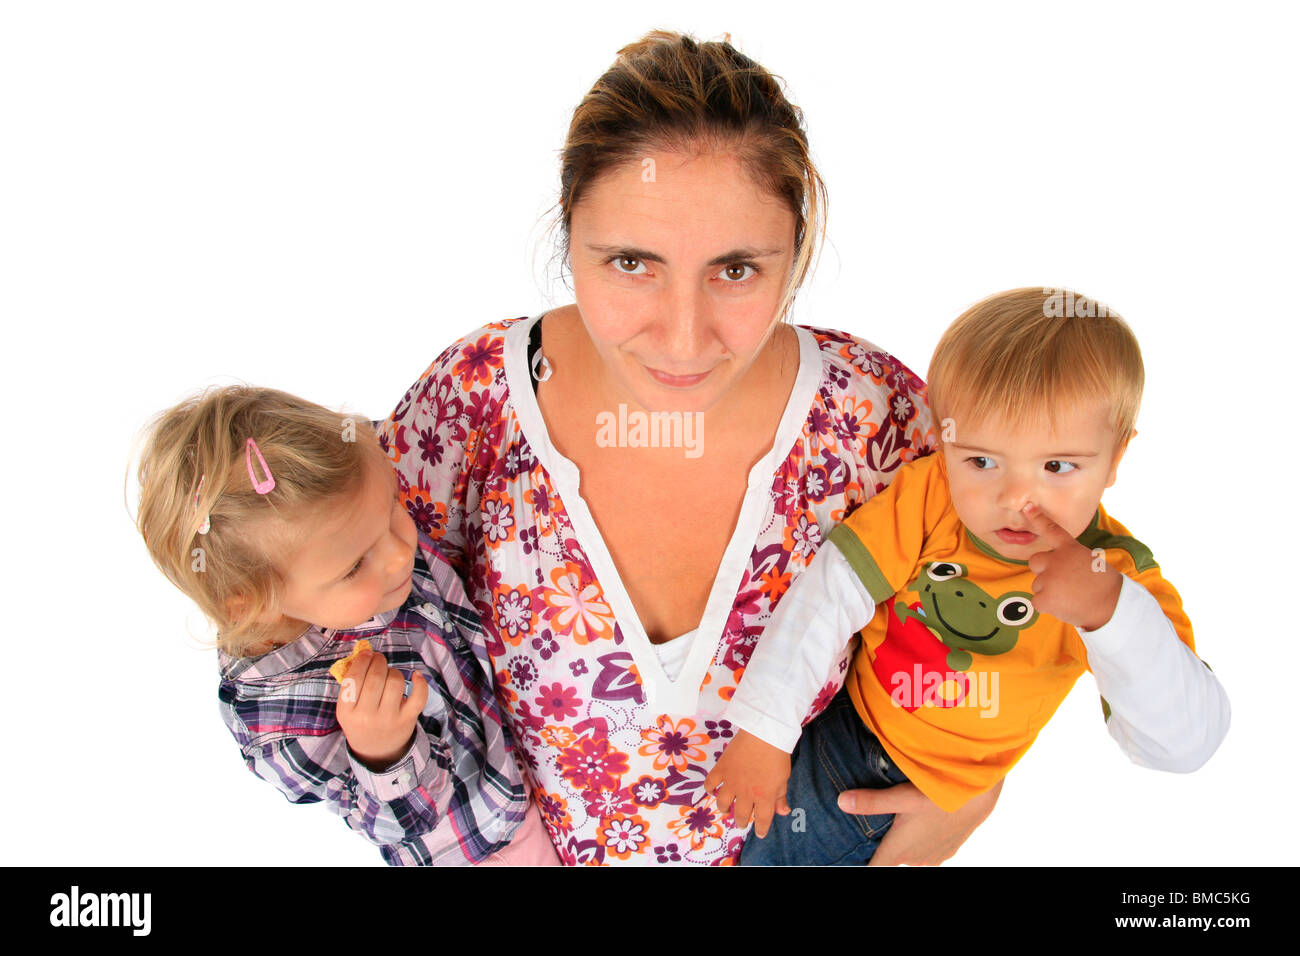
624,563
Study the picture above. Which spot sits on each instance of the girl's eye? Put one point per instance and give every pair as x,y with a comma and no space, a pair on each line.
629,265
353,573
981,463
1061,467
735,273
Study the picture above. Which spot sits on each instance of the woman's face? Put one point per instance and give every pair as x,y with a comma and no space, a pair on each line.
679,263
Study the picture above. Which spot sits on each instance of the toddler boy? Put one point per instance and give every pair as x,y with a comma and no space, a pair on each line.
985,579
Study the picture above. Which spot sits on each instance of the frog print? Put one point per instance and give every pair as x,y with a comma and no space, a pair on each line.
965,617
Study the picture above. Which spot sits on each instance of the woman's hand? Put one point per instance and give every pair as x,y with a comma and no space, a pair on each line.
922,833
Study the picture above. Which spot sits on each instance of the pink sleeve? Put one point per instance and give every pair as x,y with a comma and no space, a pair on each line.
435,435
878,411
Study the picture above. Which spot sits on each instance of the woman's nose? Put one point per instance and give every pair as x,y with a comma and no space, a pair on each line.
683,320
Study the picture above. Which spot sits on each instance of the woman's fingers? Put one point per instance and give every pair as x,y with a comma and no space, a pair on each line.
902,798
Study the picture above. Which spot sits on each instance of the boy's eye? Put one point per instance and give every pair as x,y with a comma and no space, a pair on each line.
1061,467
355,568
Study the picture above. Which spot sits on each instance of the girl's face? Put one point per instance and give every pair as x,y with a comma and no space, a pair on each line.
679,263
352,558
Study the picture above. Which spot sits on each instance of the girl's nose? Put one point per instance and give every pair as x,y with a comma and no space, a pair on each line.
399,554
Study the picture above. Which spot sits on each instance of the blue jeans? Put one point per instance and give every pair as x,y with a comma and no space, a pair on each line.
836,752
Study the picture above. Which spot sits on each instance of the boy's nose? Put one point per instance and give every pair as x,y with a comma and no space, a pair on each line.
1014,496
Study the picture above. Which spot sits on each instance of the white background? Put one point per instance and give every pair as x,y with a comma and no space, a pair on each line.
322,196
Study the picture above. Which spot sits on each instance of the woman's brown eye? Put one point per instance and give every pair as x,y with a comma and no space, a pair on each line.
628,264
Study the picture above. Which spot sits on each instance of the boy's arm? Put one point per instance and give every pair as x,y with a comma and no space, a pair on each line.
800,653
795,659
863,561
1166,708
796,656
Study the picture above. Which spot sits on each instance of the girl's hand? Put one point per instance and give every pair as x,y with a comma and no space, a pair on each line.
922,833
377,719
753,774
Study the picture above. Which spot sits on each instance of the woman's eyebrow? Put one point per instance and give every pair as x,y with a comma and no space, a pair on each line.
737,254
629,252
645,255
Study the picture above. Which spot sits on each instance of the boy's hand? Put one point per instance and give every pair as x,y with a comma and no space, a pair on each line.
753,774
377,719
1070,584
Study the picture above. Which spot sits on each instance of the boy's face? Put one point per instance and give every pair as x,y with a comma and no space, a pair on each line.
995,470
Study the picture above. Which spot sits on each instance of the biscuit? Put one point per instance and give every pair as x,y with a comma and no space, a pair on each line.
339,669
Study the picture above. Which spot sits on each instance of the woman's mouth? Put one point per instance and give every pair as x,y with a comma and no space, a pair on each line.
677,381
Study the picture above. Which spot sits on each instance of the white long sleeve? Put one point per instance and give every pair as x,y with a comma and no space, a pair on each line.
1168,711
801,649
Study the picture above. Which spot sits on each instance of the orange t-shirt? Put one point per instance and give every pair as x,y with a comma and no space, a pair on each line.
957,673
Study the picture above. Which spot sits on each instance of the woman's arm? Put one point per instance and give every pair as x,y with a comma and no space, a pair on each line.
435,439
922,834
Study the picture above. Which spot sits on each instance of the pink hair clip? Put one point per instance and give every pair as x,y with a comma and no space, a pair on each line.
261,487
207,519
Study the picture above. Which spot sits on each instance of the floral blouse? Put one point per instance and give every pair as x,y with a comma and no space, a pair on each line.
616,750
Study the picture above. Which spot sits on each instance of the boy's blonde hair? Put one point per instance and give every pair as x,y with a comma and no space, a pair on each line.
314,455
1018,353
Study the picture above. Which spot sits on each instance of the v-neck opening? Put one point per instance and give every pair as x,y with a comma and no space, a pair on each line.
682,695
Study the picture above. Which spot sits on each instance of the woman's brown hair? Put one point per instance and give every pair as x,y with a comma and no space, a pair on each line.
670,92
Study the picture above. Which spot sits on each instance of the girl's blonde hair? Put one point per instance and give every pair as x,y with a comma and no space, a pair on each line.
313,454
668,91
1019,354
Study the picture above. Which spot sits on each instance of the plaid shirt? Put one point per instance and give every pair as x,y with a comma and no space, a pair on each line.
457,796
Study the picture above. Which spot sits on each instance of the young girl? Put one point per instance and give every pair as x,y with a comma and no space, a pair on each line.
282,521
